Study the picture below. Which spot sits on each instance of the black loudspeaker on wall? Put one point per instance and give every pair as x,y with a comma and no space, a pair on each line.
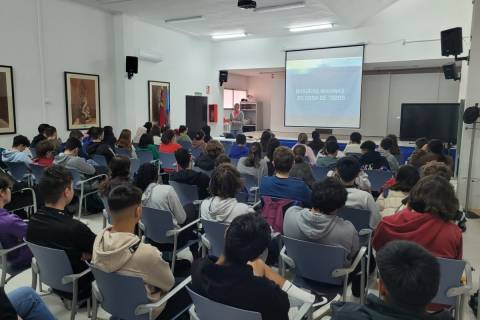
452,42
223,76
131,66
450,71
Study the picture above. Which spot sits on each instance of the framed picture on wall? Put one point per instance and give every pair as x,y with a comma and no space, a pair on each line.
82,95
7,101
159,102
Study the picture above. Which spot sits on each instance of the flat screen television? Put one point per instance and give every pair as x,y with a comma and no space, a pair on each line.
429,120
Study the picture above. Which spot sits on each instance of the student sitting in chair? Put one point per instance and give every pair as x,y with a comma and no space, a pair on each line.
331,157
45,150
253,164
183,135
119,249
206,161
169,143
301,167
97,146
185,174
303,140
70,158
353,146
239,149
19,151
372,159
40,136
146,144
386,149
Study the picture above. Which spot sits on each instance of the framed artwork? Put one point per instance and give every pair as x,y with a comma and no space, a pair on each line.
82,95
7,101
159,102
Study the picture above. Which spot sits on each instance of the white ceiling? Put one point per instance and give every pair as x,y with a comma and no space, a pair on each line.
223,16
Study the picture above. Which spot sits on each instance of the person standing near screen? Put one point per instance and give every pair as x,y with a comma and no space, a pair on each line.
236,120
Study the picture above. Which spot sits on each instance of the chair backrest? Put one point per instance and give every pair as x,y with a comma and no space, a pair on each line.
134,166
120,294
196,152
77,177
273,211
378,178
53,265
319,173
451,272
227,145
157,223
100,160
37,171
207,309
17,169
144,156
186,193
315,261
168,160
215,234
249,181
242,196
358,217
122,152
185,144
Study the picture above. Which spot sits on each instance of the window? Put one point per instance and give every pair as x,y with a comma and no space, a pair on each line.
232,96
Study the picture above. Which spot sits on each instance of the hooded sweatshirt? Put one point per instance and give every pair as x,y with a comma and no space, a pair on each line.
302,224
124,253
164,197
442,238
392,161
102,149
373,160
223,210
16,156
12,231
75,163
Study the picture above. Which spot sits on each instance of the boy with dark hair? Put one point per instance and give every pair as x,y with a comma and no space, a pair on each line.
371,159
45,149
118,249
70,158
316,144
239,278
281,185
347,172
409,280
185,174
321,224
41,134
51,227
183,135
331,149
239,149
19,151
420,151
97,146
386,148
354,145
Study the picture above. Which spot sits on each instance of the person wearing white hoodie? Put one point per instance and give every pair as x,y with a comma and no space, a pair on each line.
222,206
118,249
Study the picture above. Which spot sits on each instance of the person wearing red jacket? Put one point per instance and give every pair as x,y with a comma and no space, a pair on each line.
428,220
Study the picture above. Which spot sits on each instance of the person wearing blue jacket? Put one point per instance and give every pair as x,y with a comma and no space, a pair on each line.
239,149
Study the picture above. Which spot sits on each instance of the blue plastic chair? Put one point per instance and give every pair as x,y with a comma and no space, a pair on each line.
378,178
134,166
188,194
227,145
37,171
19,171
52,267
123,152
110,290
100,160
144,156
214,237
320,173
6,267
321,268
251,184
168,161
185,144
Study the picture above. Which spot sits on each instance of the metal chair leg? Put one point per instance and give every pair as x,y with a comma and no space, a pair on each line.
3,259
74,300
174,252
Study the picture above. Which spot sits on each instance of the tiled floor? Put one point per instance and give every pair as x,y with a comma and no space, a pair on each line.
470,246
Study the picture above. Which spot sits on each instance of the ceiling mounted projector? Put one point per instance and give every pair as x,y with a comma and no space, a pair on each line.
247,4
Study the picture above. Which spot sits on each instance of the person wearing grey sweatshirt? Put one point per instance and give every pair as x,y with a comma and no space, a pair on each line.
320,224
385,150
70,159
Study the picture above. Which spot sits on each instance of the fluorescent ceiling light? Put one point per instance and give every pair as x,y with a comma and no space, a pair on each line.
229,36
185,19
310,28
281,7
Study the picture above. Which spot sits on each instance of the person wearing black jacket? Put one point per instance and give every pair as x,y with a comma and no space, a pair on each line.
51,227
40,136
185,174
97,146
371,159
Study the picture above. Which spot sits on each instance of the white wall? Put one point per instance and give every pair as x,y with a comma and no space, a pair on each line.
43,38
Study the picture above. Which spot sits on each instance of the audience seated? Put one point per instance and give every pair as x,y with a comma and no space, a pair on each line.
239,278
19,151
146,144
169,144
45,150
420,150
353,146
109,137
125,142
372,159
435,152
395,148
303,140
156,133
392,198
138,134
321,224
40,136
198,142
323,153
206,161
386,149
281,185
119,174
301,168
12,230
253,164
222,206
348,170
409,280
316,144
427,220
51,227
436,168
97,146
52,135
331,155
185,174
221,159
118,249
23,304
265,138
239,148
70,158
272,145
206,131
183,134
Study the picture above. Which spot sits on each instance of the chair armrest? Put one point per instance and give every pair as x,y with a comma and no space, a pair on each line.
93,178
197,202
344,271
458,291
365,232
192,313
185,227
24,189
286,258
205,242
302,312
7,251
257,204
254,189
145,308
72,277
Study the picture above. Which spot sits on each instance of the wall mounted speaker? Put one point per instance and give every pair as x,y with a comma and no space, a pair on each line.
223,76
452,42
450,71
131,66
